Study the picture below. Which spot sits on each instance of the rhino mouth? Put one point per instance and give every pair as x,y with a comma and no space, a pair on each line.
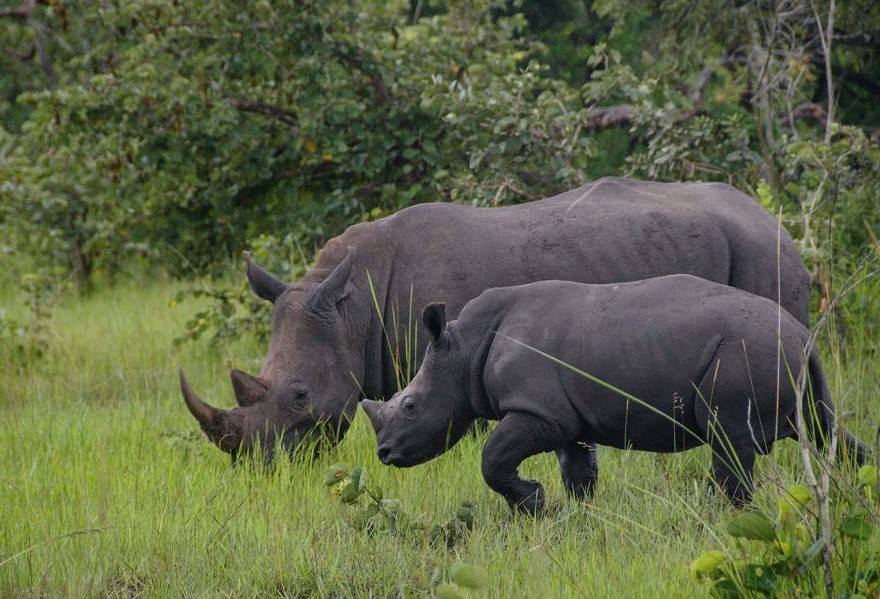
392,457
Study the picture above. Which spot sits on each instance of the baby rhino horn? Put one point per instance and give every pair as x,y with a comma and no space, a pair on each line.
374,412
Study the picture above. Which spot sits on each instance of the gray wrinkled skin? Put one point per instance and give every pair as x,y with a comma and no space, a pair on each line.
702,355
328,348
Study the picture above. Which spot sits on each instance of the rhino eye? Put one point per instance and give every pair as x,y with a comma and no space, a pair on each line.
301,395
409,408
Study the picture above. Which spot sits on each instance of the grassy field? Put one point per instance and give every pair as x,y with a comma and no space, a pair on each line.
108,489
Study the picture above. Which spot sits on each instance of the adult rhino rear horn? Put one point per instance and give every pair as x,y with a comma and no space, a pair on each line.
223,427
248,389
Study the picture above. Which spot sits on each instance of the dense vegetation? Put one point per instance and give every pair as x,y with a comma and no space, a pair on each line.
175,134
145,143
108,489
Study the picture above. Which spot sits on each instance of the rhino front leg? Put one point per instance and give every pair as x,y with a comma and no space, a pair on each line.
517,437
579,468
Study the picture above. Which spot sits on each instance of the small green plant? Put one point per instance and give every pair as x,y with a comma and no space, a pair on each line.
459,577
380,513
28,340
231,312
235,311
779,554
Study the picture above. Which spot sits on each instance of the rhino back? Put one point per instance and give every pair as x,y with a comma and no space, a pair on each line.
653,339
610,231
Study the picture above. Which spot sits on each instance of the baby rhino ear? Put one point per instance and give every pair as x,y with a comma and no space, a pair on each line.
434,319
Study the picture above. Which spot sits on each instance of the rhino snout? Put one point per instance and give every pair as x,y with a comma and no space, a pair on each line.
391,455
384,452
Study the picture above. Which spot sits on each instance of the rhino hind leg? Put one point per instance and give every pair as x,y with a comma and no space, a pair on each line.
579,467
724,416
732,468
517,437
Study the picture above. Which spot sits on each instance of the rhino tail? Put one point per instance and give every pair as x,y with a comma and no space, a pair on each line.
821,418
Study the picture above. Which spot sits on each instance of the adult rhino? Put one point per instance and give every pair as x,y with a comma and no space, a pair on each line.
331,345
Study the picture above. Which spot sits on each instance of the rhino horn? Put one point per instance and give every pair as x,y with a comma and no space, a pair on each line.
262,282
248,389
374,412
223,427
338,283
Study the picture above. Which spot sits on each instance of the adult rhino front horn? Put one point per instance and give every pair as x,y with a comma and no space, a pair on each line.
344,330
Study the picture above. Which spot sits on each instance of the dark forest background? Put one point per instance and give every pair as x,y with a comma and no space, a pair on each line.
146,134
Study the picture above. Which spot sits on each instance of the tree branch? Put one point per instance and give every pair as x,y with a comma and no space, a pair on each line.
608,118
353,57
23,11
623,115
807,110
865,40
272,111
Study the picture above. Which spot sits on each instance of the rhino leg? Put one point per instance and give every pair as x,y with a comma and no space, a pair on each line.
517,437
724,415
579,468
732,467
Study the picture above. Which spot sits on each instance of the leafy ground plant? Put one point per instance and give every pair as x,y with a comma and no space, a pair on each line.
778,553
381,514
350,486
28,339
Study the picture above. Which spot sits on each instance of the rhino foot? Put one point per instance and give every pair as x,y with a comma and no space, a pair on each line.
531,502
579,468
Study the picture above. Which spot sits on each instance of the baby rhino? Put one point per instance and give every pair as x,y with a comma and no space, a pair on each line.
701,362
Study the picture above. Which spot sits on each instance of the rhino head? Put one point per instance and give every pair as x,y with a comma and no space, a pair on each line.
433,411
308,386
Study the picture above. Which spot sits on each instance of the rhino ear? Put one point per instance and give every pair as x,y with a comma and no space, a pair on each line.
262,283
338,283
434,319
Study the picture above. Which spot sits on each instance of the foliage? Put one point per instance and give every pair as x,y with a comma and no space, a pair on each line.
176,134
381,514
778,555
185,129
350,486
230,313
24,341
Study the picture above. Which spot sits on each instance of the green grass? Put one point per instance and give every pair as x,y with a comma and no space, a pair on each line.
108,489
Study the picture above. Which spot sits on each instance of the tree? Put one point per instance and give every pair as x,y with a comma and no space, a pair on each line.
188,128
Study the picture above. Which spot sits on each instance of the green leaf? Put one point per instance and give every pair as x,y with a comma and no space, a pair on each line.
868,475
752,525
468,575
725,588
466,515
857,527
812,552
759,577
350,493
356,475
335,474
447,591
800,494
707,563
